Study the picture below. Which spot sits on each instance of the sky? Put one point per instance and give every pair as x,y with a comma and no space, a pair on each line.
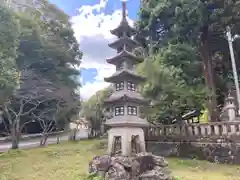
92,21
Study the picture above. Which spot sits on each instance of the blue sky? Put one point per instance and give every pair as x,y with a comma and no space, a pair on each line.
92,20
72,5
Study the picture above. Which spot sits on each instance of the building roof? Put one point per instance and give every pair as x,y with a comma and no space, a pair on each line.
123,26
124,74
124,54
126,96
123,41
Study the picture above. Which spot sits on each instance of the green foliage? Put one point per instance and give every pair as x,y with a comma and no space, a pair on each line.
196,28
9,32
168,88
49,48
93,177
176,178
46,47
93,108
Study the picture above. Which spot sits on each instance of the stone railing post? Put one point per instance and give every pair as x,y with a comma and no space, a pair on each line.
230,108
216,130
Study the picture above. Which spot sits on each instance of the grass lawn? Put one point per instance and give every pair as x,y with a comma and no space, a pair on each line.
69,161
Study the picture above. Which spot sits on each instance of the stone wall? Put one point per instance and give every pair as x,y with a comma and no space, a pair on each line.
217,142
214,152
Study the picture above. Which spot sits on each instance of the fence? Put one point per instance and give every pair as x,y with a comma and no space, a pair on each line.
186,132
195,132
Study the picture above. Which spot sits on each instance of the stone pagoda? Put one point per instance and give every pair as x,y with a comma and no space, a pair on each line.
126,127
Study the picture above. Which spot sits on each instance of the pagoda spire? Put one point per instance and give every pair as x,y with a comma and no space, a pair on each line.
123,29
124,9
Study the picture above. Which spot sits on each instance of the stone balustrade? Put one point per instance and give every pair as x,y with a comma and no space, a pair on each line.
195,132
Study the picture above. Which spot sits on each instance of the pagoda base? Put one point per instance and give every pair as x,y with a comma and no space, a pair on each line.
142,166
128,140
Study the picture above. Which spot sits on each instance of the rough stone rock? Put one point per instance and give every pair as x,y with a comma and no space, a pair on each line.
142,166
135,169
160,161
125,161
117,172
92,168
155,174
99,165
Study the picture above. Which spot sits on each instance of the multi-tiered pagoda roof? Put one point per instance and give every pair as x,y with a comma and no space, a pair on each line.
125,100
122,56
123,41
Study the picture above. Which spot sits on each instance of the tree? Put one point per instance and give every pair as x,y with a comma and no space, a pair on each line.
93,109
9,32
49,49
201,24
48,118
48,54
168,89
16,110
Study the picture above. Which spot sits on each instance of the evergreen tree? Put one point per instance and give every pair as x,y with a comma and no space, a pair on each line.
201,25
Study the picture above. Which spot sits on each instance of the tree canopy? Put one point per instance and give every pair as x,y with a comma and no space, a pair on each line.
93,108
193,34
174,89
44,54
9,33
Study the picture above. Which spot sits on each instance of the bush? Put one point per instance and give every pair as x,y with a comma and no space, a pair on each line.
92,177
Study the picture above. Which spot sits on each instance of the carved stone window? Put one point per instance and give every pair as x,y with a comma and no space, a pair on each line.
132,110
119,111
131,86
119,86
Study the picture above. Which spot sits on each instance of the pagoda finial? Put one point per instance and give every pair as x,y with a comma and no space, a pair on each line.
124,9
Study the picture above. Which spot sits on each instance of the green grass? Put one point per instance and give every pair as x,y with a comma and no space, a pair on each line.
69,161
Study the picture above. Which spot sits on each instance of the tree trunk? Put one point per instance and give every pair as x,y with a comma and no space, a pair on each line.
43,139
15,138
58,136
58,139
209,76
74,134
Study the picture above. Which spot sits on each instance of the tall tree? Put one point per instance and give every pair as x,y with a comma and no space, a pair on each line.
48,56
49,51
198,23
169,87
9,32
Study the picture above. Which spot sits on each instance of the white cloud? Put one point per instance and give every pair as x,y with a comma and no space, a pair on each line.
92,29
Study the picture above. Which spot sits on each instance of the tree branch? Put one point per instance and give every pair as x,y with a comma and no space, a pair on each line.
24,124
8,114
5,127
35,106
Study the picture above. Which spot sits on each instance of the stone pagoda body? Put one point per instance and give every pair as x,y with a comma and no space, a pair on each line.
126,125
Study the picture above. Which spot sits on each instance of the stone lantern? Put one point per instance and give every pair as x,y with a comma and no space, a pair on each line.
127,158
231,108
126,125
